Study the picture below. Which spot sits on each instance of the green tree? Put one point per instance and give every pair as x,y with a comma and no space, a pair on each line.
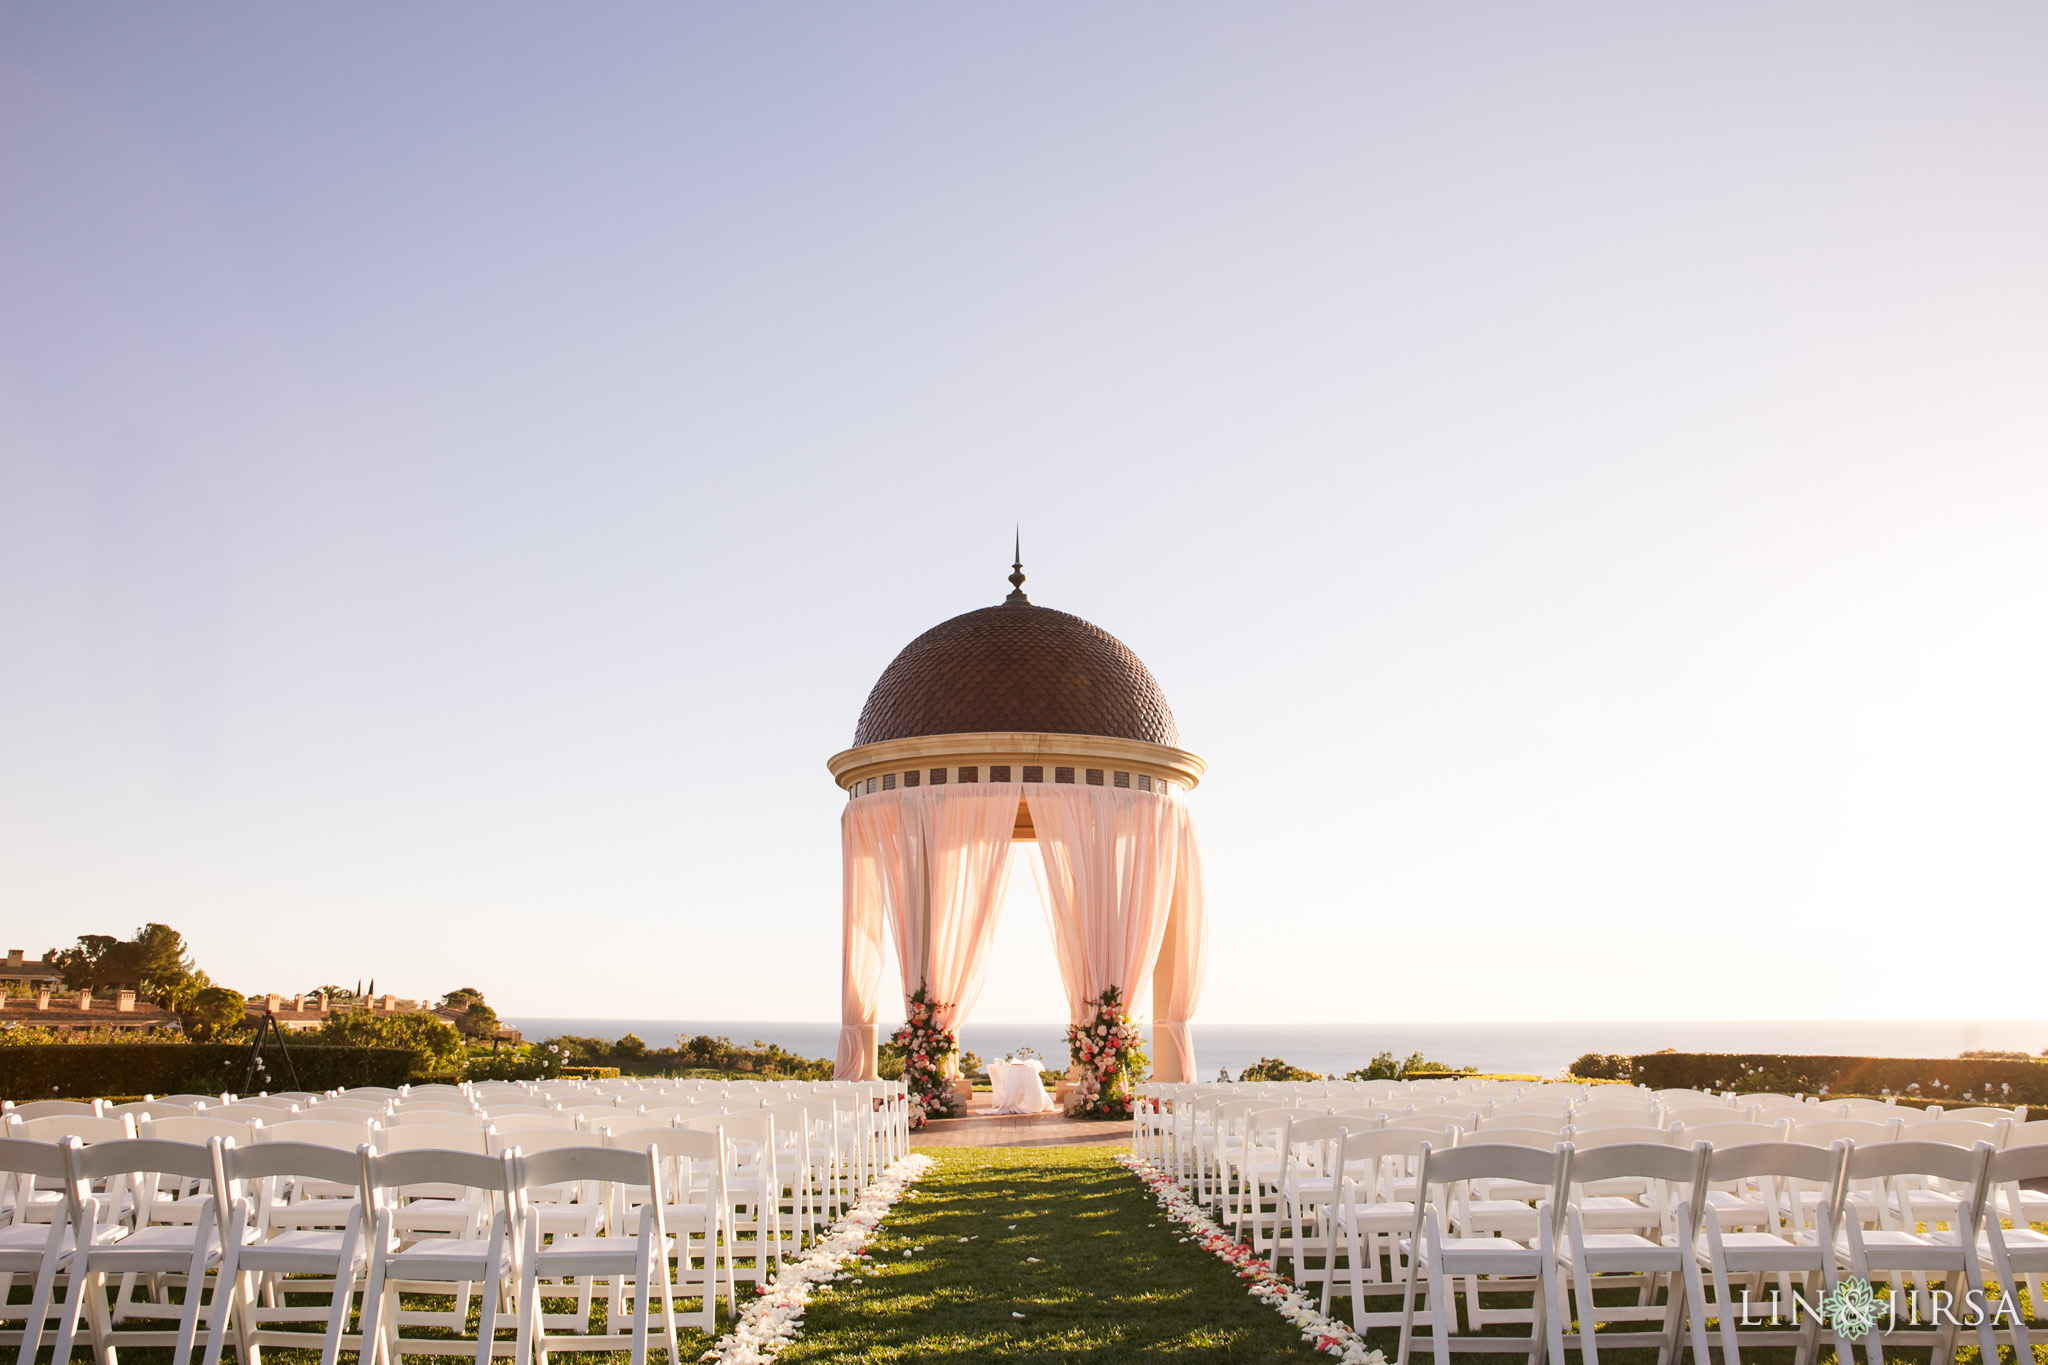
439,1045
1602,1066
478,1021
214,1014
154,964
1274,1069
629,1046
462,998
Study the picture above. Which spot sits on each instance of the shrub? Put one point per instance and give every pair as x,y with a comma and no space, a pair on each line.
439,1044
1274,1069
215,1014
1385,1068
89,1070
1950,1081
1601,1066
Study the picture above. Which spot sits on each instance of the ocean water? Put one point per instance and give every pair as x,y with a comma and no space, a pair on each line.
1543,1049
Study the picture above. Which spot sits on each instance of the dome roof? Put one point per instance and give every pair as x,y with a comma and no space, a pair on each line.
1016,667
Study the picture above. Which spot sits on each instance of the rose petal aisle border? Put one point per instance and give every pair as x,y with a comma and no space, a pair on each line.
776,1318
1276,1290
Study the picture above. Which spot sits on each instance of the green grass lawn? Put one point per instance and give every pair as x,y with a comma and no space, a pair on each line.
1111,1282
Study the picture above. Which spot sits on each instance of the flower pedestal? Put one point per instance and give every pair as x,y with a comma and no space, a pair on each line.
1068,1081
963,1093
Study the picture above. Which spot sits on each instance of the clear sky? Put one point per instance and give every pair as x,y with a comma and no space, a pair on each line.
1580,474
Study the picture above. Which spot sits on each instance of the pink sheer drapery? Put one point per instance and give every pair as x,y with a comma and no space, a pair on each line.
1107,863
932,864
969,838
1183,961
860,952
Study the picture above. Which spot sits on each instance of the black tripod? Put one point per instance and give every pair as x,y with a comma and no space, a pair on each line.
269,1027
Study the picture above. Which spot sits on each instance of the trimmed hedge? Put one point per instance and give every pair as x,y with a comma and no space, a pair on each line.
87,1070
1953,1082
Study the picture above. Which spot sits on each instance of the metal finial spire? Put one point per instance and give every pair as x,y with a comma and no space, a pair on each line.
1017,597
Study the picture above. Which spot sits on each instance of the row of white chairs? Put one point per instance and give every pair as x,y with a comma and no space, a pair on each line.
794,1158
1334,1191
660,1227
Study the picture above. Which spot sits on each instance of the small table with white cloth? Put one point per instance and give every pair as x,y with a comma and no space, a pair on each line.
1015,1088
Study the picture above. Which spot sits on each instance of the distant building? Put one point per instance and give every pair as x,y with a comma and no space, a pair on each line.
119,1010
25,976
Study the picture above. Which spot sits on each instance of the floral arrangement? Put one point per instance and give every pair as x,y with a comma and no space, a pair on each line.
925,1049
1327,1334
1111,1053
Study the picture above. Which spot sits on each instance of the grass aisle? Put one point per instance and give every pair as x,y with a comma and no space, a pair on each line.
1112,1281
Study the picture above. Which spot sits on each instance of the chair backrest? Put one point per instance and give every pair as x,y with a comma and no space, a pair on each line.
1429,1123
531,1140
1442,1166
190,1128
344,1111
240,1112
1523,1121
561,1165
432,1166
427,1139
1693,1114
42,1109
146,1158
1983,1113
313,1161
695,1144
1957,1132
523,1120
147,1109
1858,1131
1542,1138
276,1103
1736,1134
434,1118
1648,1160
1910,1156
1790,1164
85,1128
2033,1134
1619,1136
39,1160
315,1132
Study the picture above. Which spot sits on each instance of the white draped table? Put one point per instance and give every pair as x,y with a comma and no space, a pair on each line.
1015,1088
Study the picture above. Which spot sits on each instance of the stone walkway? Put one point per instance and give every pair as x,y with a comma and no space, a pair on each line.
982,1129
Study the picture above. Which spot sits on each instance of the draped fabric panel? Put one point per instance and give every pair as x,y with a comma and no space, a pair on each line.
860,953
931,864
1183,961
969,838
1108,859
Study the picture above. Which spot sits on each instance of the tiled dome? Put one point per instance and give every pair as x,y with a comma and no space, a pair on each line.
1016,667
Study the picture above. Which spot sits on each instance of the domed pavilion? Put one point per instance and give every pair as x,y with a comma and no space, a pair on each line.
1020,723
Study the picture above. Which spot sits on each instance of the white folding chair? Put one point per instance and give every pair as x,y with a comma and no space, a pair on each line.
173,1254
1370,1216
1443,1249
259,1251
1951,1256
41,1251
623,1251
1639,1259
1797,1238
481,1260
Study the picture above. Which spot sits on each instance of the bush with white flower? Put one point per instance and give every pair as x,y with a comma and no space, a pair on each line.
925,1049
1111,1053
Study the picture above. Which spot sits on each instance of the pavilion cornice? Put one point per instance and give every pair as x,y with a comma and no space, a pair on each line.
1161,762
